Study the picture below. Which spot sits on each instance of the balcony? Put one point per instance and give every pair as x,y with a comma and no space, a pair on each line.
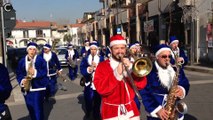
125,4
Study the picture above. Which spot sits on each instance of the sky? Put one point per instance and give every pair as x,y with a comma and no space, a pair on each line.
61,11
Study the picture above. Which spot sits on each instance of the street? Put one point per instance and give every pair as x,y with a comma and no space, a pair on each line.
68,105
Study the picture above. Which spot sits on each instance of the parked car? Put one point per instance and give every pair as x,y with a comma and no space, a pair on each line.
61,55
14,55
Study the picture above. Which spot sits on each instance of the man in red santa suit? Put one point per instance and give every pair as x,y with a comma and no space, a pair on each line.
113,84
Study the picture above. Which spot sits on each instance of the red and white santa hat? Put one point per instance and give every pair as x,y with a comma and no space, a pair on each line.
117,39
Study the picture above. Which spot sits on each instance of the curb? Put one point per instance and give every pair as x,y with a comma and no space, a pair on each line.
199,69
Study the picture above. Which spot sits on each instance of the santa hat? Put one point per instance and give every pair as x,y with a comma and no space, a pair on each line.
70,46
137,43
132,46
47,46
93,44
173,39
31,45
86,41
117,39
161,48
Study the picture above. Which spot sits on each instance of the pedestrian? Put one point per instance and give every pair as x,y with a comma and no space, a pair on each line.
113,84
31,75
162,78
5,91
133,56
85,48
72,58
88,68
176,51
53,69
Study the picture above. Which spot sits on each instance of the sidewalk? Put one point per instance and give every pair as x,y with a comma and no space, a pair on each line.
199,68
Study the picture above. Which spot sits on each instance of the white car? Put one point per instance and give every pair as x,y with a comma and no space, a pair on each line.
61,55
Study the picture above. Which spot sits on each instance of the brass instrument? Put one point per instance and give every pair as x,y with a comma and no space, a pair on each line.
71,62
141,67
61,76
171,105
29,77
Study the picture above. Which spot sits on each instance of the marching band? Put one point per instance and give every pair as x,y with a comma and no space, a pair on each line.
109,92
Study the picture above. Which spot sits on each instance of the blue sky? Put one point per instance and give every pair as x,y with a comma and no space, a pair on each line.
54,10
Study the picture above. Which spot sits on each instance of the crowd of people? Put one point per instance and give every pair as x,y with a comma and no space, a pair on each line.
112,90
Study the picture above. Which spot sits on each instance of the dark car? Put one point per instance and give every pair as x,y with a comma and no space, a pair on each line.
14,55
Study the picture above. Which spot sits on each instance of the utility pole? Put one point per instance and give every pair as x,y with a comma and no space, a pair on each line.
3,41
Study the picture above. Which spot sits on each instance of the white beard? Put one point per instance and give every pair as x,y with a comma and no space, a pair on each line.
96,59
166,76
47,56
71,53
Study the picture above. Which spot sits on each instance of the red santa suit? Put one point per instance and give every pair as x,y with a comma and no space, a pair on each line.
116,92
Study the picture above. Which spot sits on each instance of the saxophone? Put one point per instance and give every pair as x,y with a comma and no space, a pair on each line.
172,106
29,77
71,62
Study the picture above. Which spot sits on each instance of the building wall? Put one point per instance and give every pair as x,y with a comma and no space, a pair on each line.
32,33
17,33
47,32
204,14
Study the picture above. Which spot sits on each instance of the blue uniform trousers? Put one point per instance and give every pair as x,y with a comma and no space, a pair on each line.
73,72
34,101
92,102
52,86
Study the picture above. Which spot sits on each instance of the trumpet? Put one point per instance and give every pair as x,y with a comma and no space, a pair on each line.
141,67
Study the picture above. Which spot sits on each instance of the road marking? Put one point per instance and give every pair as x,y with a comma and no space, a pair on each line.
198,82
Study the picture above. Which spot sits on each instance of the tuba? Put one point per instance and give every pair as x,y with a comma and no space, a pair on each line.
29,77
172,106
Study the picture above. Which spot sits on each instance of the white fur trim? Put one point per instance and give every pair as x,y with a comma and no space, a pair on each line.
133,46
31,46
117,76
184,92
174,41
94,46
153,113
116,42
46,47
160,50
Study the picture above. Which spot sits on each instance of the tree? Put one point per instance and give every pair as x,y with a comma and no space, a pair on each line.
67,38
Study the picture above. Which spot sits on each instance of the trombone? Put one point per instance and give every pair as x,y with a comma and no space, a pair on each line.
141,67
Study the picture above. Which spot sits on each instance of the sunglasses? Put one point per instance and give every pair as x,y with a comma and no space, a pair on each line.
166,56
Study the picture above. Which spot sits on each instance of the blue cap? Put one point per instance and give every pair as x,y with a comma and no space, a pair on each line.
132,45
86,41
94,45
137,43
160,48
70,46
173,39
48,46
31,45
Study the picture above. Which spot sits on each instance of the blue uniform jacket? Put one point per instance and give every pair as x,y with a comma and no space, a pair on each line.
154,93
84,52
53,64
40,80
83,67
75,56
181,54
5,86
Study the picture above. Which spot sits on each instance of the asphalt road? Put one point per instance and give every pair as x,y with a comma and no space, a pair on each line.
69,105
